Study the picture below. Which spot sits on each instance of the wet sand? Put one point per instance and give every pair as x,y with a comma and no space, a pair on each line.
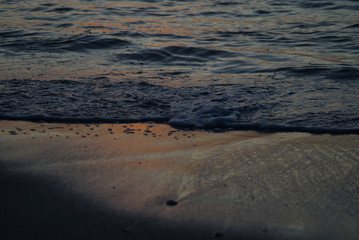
141,181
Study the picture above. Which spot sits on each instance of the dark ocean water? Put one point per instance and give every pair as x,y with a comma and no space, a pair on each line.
256,64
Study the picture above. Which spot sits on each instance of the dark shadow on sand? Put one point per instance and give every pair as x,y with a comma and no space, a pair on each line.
36,207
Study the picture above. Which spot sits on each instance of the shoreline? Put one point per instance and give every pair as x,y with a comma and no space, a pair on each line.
224,127
188,184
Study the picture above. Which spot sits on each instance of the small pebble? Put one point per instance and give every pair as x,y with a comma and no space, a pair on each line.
218,235
171,203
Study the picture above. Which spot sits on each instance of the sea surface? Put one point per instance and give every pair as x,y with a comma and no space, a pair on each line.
244,64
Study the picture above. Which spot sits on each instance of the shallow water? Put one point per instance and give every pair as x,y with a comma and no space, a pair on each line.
203,64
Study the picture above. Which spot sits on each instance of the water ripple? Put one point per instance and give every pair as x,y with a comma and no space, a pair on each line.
285,63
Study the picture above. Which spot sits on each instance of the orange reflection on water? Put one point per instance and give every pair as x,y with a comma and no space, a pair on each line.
102,26
133,4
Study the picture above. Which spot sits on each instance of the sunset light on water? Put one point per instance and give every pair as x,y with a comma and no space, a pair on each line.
167,119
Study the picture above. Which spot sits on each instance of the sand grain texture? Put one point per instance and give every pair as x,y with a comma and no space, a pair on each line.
140,180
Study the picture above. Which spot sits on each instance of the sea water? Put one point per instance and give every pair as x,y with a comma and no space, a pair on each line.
260,64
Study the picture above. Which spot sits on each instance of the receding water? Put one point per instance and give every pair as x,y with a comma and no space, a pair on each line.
198,64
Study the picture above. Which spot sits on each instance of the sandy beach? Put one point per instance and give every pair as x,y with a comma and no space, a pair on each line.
142,181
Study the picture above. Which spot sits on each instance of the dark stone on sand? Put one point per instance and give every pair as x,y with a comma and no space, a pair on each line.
55,127
171,203
12,132
218,235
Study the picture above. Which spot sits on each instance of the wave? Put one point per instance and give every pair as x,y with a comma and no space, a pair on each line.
212,107
311,4
61,9
235,64
335,73
78,43
175,55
